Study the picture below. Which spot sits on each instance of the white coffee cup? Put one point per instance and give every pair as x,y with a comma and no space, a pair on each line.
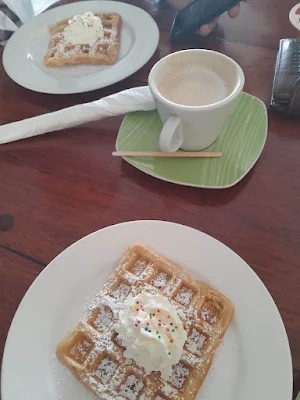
195,92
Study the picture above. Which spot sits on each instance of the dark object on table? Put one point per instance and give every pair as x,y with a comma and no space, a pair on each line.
6,222
196,14
4,34
286,85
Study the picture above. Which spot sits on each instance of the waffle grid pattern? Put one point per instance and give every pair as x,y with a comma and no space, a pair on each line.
94,354
104,51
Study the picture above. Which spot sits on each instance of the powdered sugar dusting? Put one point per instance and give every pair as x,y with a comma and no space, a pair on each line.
195,342
207,328
160,280
132,387
106,369
184,296
61,48
170,391
139,267
210,312
179,375
121,292
81,350
103,319
97,339
211,320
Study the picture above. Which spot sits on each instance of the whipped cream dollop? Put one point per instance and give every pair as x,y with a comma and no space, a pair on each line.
84,29
151,332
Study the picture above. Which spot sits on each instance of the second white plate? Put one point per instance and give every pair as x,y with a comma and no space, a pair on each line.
24,52
253,362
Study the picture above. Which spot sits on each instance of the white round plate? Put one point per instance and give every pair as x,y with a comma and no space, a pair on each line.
23,54
253,362
295,16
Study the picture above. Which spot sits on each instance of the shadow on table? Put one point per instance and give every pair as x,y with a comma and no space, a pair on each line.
213,197
296,385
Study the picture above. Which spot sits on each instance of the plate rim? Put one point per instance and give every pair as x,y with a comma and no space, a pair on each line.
243,264
127,159
135,67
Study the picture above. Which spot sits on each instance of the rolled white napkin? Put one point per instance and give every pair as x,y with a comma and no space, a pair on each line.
135,99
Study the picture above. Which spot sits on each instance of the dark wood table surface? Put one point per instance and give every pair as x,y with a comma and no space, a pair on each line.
59,187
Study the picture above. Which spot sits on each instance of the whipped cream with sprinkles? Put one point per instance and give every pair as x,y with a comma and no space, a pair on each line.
84,29
152,333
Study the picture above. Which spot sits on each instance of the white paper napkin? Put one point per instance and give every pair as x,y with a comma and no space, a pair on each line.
6,23
28,9
24,10
135,99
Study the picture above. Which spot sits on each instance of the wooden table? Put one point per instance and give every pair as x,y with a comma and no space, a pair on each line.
56,188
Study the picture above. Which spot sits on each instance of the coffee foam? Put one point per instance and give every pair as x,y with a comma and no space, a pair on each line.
194,85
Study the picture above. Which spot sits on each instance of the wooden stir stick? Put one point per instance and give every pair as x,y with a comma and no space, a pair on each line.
180,154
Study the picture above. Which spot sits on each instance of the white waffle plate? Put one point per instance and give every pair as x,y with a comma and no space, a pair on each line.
252,363
24,52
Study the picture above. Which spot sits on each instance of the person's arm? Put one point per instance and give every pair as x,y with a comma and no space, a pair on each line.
207,28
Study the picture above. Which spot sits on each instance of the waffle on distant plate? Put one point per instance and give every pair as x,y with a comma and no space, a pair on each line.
94,354
104,51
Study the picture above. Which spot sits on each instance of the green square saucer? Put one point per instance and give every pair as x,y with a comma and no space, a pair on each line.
241,142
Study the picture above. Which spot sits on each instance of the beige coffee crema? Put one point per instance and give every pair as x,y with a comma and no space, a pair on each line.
194,86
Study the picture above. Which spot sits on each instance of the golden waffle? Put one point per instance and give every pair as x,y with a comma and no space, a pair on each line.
104,51
94,354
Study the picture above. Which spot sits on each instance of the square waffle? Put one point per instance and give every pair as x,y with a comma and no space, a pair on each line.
104,51
93,353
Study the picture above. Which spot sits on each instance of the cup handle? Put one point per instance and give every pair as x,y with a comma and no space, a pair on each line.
171,138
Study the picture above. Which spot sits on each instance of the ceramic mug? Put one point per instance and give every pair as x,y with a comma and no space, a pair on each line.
195,92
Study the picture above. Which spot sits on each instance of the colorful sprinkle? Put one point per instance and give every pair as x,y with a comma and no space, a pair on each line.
149,330
158,337
171,341
176,327
157,332
139,322
158,310
168,316
146,329
173,330
169,353
159,324
148,323
168,329
137,302
171,323
153,315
